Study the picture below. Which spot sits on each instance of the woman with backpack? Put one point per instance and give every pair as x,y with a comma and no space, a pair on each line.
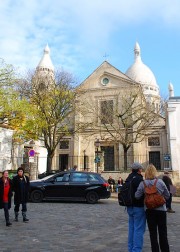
156,215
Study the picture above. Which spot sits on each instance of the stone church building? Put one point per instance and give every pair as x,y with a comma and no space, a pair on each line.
91,149
97,145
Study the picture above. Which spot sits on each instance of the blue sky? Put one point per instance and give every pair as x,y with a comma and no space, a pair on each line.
80,32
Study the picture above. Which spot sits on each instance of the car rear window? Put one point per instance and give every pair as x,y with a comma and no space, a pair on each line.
79,177
93,177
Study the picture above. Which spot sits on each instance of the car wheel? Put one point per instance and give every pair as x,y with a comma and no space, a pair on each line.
92,197
36,196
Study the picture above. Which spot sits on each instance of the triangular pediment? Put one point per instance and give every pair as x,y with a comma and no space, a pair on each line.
106,76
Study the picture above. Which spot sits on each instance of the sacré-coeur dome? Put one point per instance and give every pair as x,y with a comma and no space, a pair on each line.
142,74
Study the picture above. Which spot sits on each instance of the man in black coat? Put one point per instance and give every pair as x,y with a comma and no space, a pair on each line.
111,183
168,182
21,191
136,212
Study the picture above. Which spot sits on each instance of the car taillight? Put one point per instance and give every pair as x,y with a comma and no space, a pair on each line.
106,185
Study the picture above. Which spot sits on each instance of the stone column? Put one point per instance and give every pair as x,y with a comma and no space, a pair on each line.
33,168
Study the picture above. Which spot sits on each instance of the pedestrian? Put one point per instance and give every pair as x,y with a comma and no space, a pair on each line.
168,182
156,218
6,195
21,191
111,183
136,212
119,184
74,168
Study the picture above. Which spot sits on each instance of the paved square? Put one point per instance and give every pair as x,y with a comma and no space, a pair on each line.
77,227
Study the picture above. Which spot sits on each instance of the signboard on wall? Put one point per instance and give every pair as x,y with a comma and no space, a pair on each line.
167,157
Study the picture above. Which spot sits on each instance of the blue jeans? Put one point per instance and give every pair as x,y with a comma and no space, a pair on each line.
137,226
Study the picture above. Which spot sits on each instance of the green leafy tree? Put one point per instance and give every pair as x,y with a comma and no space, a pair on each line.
7,92
49,114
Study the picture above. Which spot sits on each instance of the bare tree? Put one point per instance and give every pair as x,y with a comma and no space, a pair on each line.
123,118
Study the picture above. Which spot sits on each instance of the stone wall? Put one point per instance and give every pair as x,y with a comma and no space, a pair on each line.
174,175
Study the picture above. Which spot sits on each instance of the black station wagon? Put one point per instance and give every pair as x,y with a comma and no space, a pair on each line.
71,186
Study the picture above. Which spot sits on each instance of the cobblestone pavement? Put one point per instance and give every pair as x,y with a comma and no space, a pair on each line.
77,227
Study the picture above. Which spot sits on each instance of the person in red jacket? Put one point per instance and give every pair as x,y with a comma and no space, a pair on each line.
6,195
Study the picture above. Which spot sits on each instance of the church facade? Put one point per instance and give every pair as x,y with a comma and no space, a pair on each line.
93,149
97,146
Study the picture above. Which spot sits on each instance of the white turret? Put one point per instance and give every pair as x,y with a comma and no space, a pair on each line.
44,76
171,90
45,63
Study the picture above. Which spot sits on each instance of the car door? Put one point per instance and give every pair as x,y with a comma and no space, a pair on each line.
58,186
78,184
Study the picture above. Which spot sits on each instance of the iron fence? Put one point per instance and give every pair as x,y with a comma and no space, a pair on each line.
65,161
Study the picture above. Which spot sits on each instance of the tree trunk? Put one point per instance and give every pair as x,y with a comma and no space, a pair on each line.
49,162
125,159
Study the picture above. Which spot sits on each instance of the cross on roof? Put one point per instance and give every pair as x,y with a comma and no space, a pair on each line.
105,56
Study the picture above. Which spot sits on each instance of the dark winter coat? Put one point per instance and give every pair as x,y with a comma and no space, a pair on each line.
135,183
2,192
111,181
167,180
19,195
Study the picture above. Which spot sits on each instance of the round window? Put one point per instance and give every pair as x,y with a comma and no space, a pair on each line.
105,81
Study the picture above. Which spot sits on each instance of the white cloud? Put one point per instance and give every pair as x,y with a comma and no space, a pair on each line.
74,29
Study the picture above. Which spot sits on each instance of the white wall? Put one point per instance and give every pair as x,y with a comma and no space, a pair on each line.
5,148
42,159
173,127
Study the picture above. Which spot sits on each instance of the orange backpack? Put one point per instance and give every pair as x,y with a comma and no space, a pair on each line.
152,197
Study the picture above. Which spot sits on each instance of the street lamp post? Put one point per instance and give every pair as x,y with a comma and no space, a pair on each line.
84,159
97,145
32,163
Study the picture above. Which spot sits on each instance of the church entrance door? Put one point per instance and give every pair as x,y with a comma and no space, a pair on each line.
63,162
108,157
154,158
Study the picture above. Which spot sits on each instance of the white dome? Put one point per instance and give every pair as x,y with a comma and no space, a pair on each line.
142,74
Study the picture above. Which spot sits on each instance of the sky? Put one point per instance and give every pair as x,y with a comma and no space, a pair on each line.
81,32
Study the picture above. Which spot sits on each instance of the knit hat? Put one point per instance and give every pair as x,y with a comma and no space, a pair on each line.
136,166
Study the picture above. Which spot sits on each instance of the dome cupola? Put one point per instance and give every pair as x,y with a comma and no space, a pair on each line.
44,75
45,63
142,74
